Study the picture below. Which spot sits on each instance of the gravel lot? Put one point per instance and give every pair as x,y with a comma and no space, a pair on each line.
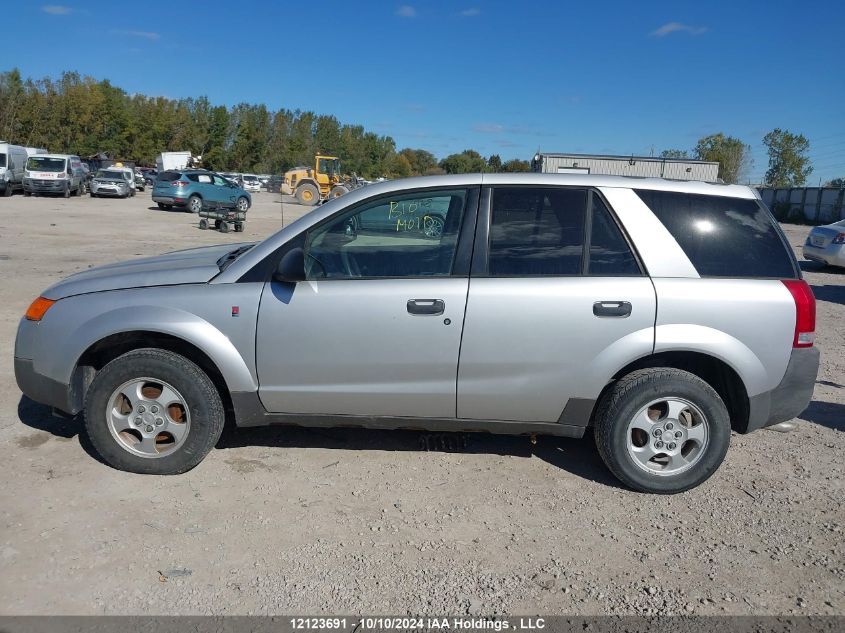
305,521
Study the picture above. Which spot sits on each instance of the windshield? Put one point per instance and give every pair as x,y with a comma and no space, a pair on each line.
39,163
2,160
328,166
250,178
103,173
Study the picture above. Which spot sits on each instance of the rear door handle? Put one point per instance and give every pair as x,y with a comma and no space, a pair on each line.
612,309
431,307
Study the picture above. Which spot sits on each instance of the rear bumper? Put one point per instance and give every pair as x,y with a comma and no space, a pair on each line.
791,396
833,255
40,388
169,200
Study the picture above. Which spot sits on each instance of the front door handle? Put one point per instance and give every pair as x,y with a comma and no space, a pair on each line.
431,307
612,309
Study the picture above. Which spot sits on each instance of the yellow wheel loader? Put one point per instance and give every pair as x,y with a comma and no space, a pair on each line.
314,185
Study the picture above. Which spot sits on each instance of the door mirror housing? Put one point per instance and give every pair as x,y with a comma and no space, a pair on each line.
291,267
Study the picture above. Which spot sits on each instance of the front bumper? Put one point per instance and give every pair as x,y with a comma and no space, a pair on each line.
41,388
833,255
791,396
105,190
34,185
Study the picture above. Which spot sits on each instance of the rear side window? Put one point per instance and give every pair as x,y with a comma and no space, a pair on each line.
723,237
169,176
536,231
610,254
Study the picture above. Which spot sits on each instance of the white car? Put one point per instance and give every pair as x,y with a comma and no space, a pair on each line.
826,244
251,183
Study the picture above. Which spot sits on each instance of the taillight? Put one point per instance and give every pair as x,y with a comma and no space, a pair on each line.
180,183
805,312
839,239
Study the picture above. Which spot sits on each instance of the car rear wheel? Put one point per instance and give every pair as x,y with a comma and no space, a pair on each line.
194,204
153,411
662,430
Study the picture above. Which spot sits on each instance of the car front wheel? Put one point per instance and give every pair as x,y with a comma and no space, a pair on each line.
243,204
152,411
662,430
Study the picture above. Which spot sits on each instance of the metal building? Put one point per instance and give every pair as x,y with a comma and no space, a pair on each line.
644,166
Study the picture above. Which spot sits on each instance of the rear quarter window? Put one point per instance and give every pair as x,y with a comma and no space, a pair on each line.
722,236
169,176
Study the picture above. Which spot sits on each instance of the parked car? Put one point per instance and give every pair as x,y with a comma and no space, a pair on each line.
826,244
12,162
63,174
627,307
189,189
111,182
251,183
274,184
140,181
150,175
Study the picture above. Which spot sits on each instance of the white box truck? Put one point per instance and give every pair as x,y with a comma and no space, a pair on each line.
173,160
12,163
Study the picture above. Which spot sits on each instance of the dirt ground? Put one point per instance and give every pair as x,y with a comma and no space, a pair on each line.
324,521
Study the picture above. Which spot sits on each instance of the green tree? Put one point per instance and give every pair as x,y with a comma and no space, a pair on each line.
516,165
421,161
468,161
674,153
789,164
733,156
836,182
494,163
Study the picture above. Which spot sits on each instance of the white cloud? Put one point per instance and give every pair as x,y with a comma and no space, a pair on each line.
56,9
488,128
406,11
147,35
677,27
471,12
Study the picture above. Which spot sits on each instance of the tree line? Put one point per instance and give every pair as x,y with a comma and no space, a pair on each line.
80,115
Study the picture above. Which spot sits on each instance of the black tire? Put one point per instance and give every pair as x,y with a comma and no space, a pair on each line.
7,192
194,204
625,398
337,191
203,224
165,207
224,227
66,192
307,194
27,194
92,194
202,397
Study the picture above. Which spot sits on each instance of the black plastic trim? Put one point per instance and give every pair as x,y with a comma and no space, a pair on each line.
40,388
249,412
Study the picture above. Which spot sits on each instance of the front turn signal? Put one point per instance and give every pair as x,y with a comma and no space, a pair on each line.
38,308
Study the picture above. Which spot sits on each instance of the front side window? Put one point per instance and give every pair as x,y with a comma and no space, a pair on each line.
410,235
536,231
2,160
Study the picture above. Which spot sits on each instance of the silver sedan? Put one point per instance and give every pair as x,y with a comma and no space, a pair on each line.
826,244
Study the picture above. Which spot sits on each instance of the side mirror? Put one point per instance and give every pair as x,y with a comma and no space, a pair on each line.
291,267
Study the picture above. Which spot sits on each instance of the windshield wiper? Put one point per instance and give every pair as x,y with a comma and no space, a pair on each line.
231,256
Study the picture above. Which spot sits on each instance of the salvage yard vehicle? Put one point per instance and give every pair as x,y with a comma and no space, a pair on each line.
251,183
323,182
110,182
63,174
826,244
549,304
12,161
190,189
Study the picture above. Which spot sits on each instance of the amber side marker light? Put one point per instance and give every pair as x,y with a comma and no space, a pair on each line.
38,308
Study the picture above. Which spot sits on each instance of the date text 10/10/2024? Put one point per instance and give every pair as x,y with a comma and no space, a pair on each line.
360,625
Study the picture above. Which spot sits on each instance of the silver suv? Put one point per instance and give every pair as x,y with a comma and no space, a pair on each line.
658,314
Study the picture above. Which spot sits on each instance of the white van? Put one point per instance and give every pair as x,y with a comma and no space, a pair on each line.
12,162
54,173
